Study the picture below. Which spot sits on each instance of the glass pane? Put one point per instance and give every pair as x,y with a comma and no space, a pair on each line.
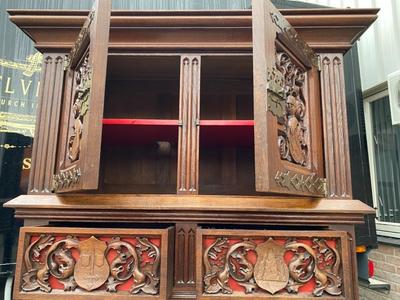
387,160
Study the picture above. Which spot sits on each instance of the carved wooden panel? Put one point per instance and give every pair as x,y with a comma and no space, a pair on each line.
78,156
47,124
239,264
189,114
73,262
185,249
337,153
288,148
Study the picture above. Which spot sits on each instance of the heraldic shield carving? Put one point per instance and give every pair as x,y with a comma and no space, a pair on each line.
94,261
91,269
265,263
270,270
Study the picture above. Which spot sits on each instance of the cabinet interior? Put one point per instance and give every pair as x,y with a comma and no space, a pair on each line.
141,124
226,126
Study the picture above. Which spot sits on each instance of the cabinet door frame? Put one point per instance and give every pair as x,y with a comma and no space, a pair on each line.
79,143
287,108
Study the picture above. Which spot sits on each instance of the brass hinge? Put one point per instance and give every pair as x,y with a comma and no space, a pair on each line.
324,187
319,63
66,62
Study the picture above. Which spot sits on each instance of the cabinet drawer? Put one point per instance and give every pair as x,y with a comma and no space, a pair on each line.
248,264
86,263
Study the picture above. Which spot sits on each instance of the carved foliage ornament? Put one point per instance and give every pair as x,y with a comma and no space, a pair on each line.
66,179
300,182
224,261
94,268
283,27
83,36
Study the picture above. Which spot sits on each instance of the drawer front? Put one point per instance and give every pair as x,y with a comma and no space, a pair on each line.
248,264
85,263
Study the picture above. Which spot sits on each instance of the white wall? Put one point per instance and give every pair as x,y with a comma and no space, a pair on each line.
379,47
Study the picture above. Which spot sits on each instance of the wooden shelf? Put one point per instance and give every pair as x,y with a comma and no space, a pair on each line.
139,131
147,131
227,133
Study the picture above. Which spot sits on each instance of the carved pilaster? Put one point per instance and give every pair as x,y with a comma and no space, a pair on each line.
337,157
48,115
185,249
189,131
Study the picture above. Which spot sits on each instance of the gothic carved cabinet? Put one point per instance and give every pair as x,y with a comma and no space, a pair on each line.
190,155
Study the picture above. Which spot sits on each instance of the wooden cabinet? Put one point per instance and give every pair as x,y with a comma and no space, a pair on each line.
189,119
223,124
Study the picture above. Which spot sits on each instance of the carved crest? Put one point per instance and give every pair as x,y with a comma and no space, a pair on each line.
270,270
92,268
100,266
83,78
292,136
228,263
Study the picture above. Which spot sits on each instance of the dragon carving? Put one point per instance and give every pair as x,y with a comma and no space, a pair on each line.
128,262
47,257
224,261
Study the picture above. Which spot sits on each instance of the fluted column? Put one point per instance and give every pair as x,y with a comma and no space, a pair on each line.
336,137
47,122
188,150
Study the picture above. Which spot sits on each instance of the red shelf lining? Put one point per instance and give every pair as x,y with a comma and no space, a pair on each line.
141,122
166,122
230,133
226,122
147,131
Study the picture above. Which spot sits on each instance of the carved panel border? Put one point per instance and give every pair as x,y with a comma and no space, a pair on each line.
239,264
108,263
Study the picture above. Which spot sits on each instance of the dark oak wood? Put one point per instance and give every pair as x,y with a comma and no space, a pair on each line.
226,150
184,270
352,253
336,137
78,155
46,239
189,115
47,124
286,134
247,239
163,208
175,144
323,29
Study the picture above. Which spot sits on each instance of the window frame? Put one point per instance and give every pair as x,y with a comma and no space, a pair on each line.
378,92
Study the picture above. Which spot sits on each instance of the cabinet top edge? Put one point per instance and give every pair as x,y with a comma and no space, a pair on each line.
245,12
191,203
332,30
